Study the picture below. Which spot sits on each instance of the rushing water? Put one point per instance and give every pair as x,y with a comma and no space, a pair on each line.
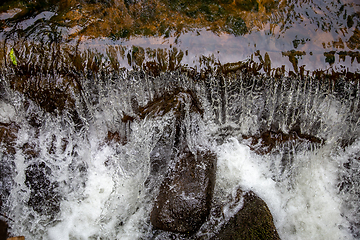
75,147
92,188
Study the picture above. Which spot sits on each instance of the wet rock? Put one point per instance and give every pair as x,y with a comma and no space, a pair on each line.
44,198
267,141
3,230
8,136
160,157
252,221
124,133
184,200
7,170
176,101
165,148
52,92
8,132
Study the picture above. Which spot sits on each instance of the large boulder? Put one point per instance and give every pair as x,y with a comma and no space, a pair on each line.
184,200
170,141
252,221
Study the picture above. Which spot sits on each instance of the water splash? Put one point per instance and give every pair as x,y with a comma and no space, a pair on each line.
95,184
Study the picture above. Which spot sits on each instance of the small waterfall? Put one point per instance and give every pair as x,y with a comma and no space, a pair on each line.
157,119
75,164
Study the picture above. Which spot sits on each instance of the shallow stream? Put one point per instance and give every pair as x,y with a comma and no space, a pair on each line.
280,102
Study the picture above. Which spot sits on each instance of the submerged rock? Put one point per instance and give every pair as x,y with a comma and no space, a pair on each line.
184,200
122,135
269,140
252,221
8,132
176,101
171,138
44,197
160,157
51,92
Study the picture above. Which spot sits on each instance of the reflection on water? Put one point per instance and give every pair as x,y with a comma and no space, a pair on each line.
314,34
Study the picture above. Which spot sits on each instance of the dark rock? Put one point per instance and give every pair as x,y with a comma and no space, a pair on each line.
174,101
44,198
30,150
3,230
184,200
7,172
8,136
166,147
267,141
8,132
252,221
52,92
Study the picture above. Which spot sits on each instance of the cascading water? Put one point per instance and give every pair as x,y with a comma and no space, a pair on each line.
116,115
80,173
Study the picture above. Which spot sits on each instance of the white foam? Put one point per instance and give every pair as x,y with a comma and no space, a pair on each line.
7,112
112,202
80,217
305,204
113,205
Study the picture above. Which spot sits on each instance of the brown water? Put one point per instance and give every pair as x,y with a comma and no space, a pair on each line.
299,35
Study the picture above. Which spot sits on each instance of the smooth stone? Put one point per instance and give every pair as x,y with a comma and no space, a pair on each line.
184,200
252,221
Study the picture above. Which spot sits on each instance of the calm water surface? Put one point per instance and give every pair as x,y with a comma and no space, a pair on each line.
314,34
